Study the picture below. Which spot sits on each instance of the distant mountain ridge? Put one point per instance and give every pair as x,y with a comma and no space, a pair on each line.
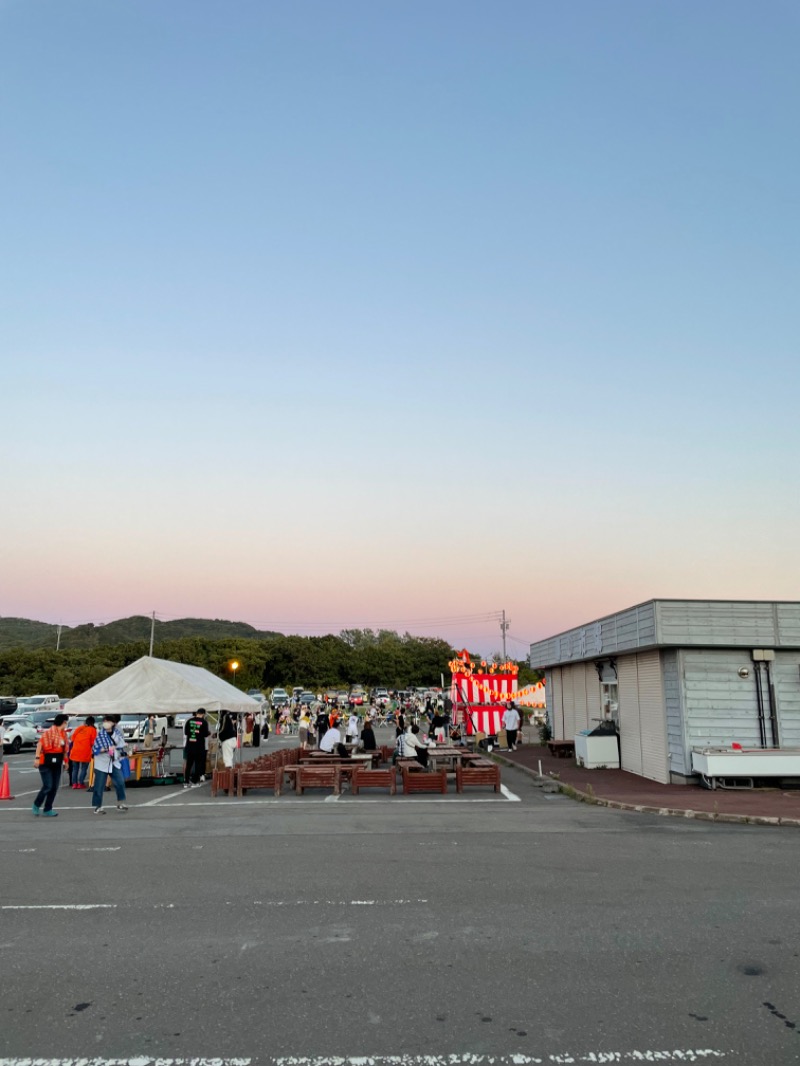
28,633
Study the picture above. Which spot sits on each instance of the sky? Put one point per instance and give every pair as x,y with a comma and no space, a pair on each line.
332,314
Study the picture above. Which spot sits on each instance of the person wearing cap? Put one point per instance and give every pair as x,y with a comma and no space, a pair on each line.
49,761
195,732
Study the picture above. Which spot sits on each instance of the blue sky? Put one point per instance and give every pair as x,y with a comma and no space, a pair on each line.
320,312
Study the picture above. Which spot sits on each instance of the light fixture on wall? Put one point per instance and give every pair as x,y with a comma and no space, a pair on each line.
744,671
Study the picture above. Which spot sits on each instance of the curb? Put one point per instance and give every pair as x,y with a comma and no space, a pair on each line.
638,808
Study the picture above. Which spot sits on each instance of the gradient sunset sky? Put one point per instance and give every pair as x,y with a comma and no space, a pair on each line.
327,314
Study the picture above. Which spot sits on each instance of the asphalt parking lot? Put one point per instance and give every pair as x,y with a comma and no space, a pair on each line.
306,930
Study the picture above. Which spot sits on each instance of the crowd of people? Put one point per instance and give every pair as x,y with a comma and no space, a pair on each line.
104,747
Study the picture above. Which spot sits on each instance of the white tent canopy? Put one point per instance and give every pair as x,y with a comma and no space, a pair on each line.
158,686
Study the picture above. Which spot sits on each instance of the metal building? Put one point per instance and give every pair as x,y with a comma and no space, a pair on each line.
678,677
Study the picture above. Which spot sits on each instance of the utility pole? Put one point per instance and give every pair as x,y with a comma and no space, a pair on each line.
152,633
504,629
58,637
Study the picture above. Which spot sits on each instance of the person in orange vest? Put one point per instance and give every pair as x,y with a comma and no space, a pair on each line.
80,753
49,760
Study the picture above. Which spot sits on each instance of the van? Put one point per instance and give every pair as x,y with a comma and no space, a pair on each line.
49,702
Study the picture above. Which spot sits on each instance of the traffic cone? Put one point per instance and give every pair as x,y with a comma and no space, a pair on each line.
5,786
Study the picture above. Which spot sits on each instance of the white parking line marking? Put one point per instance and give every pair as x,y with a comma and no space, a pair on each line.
338,902
466,1059
676,1055
58,907
155,802
509,795
140,1060
397,802
333,799
100,849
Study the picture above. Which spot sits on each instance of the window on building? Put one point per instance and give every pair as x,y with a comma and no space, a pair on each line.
609,700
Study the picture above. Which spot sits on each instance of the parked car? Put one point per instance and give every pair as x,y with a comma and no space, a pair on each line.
18,731
132,726
8,705
256,694
181,719
297,691
358,696
307,698
381,697
42,719
50,702
342,697
280,698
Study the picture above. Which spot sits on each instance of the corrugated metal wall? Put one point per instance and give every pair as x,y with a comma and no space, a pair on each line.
673,694
786,674
718,623
721,707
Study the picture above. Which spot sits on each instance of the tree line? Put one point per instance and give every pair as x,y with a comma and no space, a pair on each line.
353,657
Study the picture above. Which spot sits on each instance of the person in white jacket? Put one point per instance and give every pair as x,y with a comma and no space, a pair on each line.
413,747
352,729
511,725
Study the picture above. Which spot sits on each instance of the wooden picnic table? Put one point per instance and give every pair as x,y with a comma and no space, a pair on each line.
449,756
346,765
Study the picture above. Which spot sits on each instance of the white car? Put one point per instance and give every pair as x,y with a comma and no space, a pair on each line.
132,726
49,702
19,730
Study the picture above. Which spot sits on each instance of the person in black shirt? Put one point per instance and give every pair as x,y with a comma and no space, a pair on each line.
368,737
195,732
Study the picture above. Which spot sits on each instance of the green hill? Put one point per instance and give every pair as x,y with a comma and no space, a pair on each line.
26,633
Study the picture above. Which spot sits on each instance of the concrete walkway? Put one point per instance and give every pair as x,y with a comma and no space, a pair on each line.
626,791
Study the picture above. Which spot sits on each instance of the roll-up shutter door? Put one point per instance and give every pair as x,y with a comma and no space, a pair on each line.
568,679
630,736
555,698
652,717
580,696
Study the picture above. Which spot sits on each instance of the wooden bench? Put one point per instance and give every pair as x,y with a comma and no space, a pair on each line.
247,778
223,781
478,775
429,781
562,749
409,764
363,778
318,777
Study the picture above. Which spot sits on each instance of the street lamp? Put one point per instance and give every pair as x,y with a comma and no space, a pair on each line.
234,667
